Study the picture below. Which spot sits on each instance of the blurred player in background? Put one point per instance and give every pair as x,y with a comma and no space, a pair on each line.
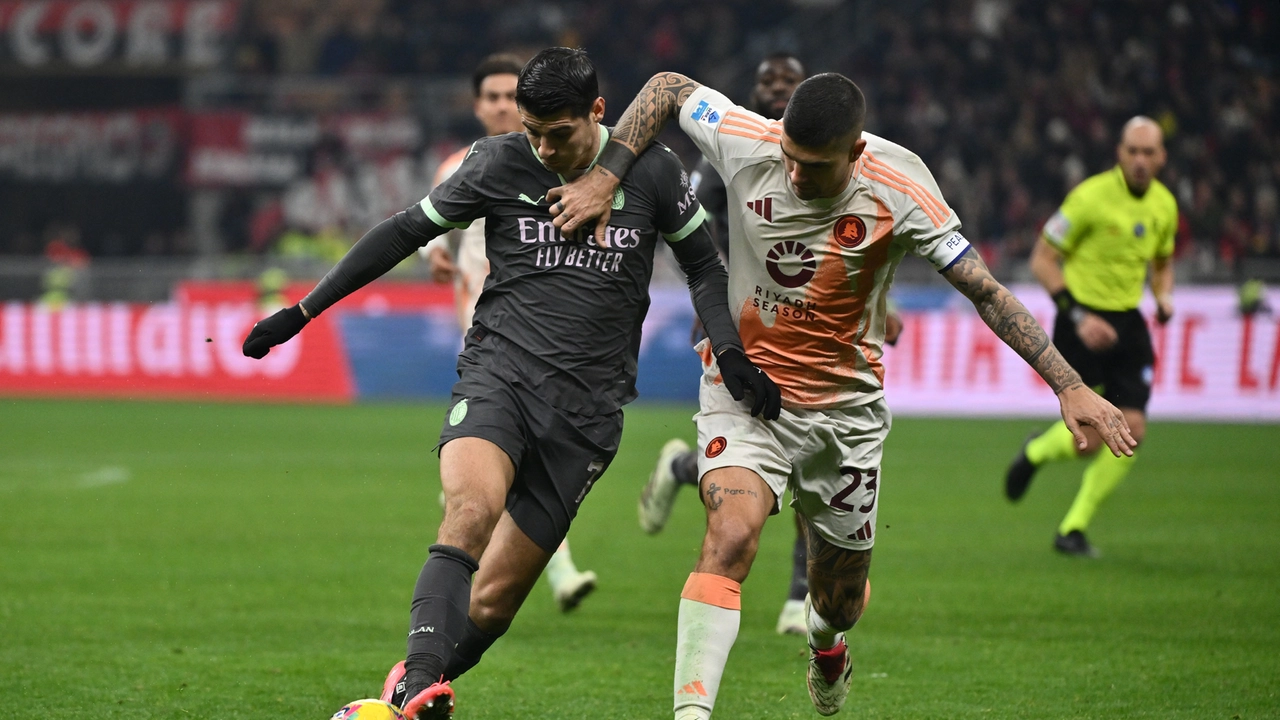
536,415
1092,258
776,79
820,216
494,82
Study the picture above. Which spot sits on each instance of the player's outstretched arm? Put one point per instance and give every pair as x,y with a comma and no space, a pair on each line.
709,289
1010,321
590,197
381,249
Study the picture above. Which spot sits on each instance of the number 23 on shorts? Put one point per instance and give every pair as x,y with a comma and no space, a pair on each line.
859,479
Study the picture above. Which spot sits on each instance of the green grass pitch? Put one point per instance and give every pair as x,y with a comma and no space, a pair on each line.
232,561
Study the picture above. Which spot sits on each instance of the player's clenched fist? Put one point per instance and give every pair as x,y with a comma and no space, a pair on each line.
739,373
274,330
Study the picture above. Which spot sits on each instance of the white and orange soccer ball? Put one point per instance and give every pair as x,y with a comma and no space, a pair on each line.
368,710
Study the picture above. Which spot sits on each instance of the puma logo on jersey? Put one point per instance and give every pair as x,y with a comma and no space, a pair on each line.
530,201
763,208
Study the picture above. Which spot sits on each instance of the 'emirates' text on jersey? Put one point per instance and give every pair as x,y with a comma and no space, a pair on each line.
808,280
575,306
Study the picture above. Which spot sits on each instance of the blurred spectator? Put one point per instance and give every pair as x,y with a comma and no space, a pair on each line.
64,279
1011,102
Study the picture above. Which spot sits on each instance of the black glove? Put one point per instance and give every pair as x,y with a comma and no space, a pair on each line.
272,331
739,373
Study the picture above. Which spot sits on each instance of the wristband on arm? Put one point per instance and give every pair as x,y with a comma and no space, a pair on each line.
616,158
1066,303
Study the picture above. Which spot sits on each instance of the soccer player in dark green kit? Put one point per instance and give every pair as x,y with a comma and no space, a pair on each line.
547,364
1092,258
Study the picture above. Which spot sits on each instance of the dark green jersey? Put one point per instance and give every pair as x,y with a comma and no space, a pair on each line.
575,306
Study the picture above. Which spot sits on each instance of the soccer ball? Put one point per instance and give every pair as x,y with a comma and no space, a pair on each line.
368,710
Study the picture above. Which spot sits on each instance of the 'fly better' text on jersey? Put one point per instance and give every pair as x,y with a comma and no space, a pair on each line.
575,306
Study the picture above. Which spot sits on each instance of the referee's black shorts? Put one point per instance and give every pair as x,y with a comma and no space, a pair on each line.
557,454
1121,374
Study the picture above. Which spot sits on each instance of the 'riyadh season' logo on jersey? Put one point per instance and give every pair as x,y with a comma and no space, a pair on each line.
786,255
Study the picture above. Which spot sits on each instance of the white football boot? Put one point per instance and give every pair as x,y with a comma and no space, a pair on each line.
659,494
791,619
571,589
830,674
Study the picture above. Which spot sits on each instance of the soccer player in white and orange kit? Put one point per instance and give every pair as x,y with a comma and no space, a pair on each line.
820,215
459,256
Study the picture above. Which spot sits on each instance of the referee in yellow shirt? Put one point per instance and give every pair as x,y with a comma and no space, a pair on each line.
1092,257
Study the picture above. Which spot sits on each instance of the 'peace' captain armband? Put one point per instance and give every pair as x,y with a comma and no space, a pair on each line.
1066,303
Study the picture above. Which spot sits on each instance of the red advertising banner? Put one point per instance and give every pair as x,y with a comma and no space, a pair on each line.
1212,362
187,348
168,350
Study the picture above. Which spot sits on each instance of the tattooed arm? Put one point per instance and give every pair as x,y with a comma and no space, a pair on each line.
1010,321
659,101
591,196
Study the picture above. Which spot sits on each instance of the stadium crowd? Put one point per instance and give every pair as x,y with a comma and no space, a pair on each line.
1011,102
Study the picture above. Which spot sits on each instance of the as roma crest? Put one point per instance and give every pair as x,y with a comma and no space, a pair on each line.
850,231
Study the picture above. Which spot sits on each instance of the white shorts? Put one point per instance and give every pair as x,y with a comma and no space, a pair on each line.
473,268
829,458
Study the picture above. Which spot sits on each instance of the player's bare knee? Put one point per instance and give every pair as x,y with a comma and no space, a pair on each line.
471,511
730,547
468,524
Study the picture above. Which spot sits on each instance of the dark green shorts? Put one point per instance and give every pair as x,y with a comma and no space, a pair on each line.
557,454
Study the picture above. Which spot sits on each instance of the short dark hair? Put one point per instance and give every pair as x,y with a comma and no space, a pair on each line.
824,108
558,79
496,64
783,55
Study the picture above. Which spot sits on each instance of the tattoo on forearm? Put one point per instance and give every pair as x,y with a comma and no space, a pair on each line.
1010,321
714,498
658,102
837,579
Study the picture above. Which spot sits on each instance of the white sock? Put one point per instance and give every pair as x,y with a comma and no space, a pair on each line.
821,635
710,611
560,566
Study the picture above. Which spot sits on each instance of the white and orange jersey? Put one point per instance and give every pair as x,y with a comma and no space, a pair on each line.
470,258
809,280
